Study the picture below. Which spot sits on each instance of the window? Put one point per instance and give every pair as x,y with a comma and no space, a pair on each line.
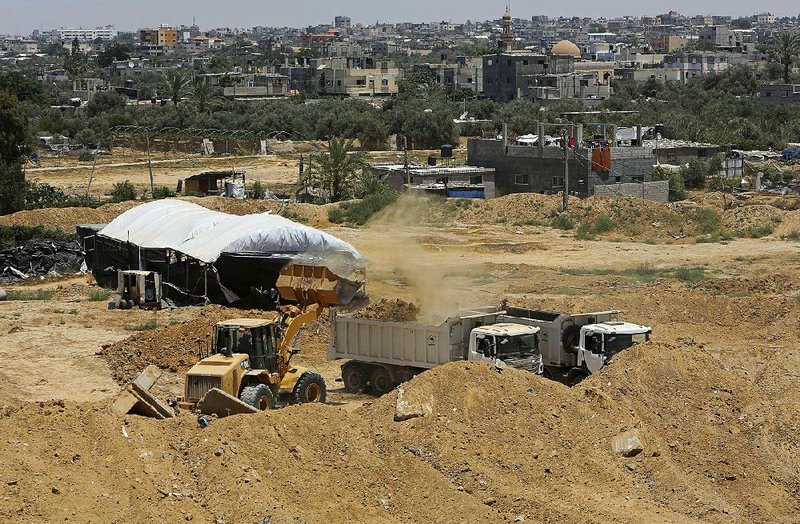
508,80
521,180
339,83
617,179
508,62
524,62
489,62
784,94
384,82
474,180
768,93
558,181
361,82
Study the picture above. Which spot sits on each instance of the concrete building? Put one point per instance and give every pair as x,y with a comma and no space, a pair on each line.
448,181
462,74
715,35
511,75
668,43
87,35
765,19
686,66
164,36
540,168
355,77
342,23
252,87
780,94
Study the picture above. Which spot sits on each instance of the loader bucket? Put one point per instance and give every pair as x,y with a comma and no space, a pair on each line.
309,285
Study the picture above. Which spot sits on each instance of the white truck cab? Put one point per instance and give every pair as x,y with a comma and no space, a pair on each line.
516,345
600,342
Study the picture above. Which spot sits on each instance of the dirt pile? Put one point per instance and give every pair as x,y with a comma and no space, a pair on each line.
67,218
486,447
172,347
392,310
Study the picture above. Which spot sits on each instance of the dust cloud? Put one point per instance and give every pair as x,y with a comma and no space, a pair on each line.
432,275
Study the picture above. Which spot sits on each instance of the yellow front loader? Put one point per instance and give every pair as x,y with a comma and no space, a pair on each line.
250,359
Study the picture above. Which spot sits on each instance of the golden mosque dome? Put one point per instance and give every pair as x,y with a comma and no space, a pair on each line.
566,48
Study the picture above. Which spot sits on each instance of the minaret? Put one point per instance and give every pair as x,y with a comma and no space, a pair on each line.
506,37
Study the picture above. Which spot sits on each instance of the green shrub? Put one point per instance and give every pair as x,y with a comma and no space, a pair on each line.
99,294
144,326
36,294
760,231
694,174
794,235
584,232
706,219
562,221
360,211
123,191
603,224
86,156
17,234
163,192
677,189
690,275
257,190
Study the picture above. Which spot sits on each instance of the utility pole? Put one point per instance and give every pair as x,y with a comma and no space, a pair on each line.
149,163
566,168
405,160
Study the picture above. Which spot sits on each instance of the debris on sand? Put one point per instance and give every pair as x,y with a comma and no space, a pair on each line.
39,258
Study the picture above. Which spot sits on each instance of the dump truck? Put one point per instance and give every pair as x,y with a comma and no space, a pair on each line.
573,346
249,360
382,354
561,346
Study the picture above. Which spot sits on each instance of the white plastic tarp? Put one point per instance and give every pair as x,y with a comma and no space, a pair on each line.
204,234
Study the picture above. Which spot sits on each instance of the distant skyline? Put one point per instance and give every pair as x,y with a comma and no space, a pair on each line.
23,16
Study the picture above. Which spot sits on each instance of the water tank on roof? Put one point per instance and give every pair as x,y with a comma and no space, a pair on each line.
447,151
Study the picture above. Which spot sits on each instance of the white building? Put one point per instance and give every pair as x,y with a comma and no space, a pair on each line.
765,19
87,35
692,65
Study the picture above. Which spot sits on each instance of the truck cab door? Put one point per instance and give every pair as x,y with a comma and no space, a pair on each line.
591,351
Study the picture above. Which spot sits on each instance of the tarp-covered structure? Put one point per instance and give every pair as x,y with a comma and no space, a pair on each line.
205,254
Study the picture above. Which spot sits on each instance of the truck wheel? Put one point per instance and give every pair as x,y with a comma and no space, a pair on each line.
381,381
354,377
576,376
310,388
258,396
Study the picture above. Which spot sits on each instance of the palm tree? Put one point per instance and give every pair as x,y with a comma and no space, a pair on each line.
335,169
176,84
785,47
202,92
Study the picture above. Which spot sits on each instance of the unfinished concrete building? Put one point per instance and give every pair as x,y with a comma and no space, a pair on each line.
600,165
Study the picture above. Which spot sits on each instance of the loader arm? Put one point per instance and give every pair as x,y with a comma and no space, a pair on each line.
313,288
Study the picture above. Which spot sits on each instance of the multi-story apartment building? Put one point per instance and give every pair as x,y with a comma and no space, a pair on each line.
87,35
164,36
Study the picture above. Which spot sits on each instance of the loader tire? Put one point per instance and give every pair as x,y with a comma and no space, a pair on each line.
259,396
381,381
354,377
310,388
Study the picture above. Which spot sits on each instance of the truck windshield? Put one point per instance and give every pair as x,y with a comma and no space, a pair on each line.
616,343
517,346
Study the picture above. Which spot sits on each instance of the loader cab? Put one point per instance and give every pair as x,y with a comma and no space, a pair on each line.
253,337
600,342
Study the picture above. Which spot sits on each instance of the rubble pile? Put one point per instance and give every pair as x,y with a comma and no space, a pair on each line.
39,258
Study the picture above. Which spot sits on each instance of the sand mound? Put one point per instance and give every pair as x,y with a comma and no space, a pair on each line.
487,447
172,347
67,218
392,310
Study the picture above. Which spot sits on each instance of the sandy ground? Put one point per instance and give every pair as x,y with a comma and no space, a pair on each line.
278,171
714,399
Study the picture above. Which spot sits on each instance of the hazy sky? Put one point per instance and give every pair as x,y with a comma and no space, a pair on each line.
22,16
